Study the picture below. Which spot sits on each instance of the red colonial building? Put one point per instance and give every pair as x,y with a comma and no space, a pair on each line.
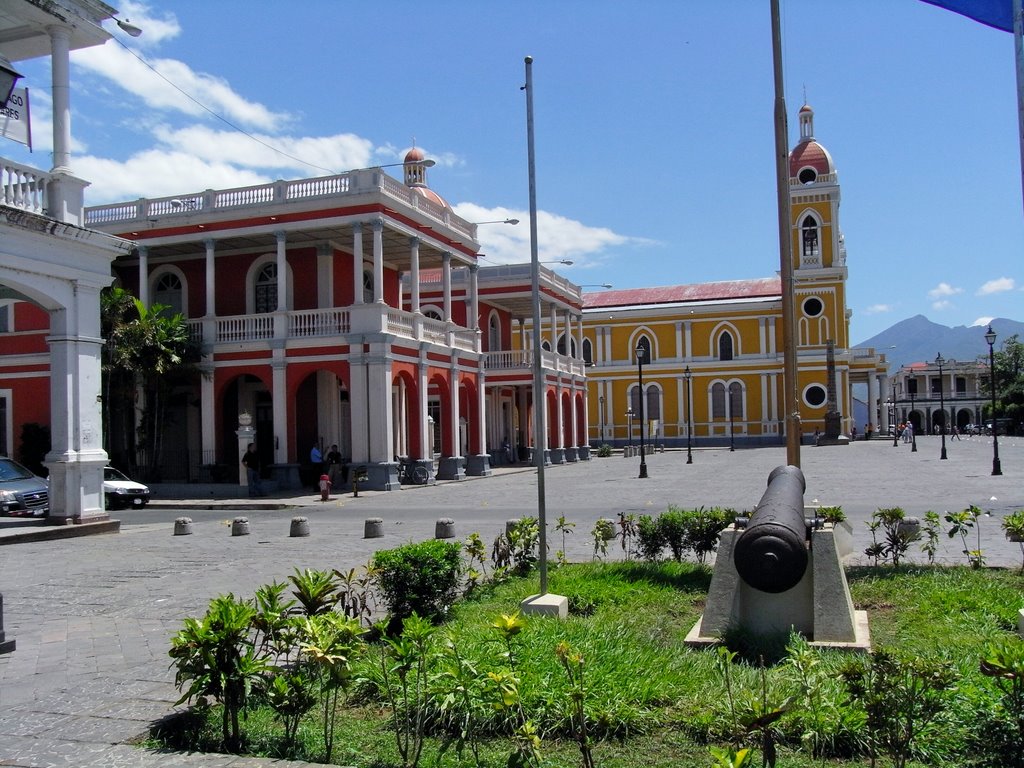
346,310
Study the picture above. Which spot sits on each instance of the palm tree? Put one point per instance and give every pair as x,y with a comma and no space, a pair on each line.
148,352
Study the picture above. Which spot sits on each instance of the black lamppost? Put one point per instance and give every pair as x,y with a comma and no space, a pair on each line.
689,414
732,420
629,426
600,419
942,406
640,353
990,337
913,431
895,418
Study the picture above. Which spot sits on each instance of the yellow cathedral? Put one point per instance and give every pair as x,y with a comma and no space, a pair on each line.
712,353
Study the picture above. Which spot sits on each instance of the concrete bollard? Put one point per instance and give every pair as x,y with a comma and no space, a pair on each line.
444,528
300,527
373,528
240,526
183,526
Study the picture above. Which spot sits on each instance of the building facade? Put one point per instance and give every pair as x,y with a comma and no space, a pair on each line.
52,269
928,398
713,362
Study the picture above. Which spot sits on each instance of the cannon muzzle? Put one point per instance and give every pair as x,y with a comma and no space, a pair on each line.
771,554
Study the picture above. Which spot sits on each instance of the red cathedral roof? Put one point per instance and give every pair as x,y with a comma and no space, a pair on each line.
810,153
766,287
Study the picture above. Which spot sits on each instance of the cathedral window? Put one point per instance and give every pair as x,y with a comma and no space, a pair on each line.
718,400
809,230
725,351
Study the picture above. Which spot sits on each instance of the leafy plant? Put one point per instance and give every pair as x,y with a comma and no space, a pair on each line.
315,590
900,532
1003,661
573,664
729,758
563,527
332,644
603,532
703,528
517,548
604,451
291,695
1013,527
832,514
650,539
215,656
354,594
627,533
406,662
421,578
672,527
930,528
961,524
900,697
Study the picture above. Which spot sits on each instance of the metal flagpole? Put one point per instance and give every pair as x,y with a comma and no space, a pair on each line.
1018,53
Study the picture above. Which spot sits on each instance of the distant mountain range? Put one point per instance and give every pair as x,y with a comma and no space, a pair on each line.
918,340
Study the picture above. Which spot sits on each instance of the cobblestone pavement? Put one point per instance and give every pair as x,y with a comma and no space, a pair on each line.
92,616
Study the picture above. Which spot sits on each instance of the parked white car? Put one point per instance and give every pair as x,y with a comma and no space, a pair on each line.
119,491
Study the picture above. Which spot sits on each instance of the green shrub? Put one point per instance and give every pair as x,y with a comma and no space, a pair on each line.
650,540
418,578
604,451
703,528
672,526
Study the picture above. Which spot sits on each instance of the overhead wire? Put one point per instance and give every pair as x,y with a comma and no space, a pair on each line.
220,117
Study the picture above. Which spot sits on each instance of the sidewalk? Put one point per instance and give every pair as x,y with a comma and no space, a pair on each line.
93,616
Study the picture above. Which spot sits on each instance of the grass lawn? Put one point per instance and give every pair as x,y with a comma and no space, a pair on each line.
652,702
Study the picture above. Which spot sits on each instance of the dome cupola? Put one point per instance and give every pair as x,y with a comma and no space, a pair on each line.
415,165
809,160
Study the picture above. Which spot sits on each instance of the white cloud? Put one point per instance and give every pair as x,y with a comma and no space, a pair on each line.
173,86
558,237
878,309
982,321
999,285
943,289
941,304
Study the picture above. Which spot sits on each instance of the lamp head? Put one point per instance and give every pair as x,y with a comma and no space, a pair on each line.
939,360
128,28
990,335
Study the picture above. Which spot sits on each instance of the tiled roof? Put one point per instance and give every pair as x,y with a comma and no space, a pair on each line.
810,153
766,287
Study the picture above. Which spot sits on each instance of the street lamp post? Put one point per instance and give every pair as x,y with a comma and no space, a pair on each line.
913,432
640,352
942,406
629,426
990,337
689,415
895,419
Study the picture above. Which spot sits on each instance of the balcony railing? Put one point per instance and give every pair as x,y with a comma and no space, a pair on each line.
282,193
333,321
522,360
23,187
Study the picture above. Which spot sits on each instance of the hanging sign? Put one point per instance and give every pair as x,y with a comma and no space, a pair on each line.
14,118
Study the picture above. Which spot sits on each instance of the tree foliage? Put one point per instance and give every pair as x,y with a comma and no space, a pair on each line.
1009,365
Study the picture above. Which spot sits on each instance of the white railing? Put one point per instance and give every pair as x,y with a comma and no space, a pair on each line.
435,331
400,323
465,340
318,322
23,187
278,193
244,328
508,358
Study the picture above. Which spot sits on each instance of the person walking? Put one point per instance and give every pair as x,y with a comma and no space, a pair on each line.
251,462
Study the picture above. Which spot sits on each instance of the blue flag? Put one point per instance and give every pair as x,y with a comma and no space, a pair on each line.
994,13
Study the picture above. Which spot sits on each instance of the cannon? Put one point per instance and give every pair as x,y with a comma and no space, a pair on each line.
778,573
771,554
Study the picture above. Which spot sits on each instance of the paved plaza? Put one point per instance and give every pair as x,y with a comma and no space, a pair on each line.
92,616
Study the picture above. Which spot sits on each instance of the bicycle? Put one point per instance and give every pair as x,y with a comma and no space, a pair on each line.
409,472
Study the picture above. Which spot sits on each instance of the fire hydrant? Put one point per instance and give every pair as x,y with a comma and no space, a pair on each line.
325,488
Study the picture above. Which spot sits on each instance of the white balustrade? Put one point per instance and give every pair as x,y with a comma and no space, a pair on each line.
318,322
22,187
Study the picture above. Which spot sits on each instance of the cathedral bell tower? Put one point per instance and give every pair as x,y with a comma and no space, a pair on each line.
819,254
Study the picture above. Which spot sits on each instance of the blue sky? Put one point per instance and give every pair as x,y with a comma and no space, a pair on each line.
653,125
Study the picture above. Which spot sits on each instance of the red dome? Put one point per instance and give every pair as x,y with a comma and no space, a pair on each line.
430,195
810,155
415,155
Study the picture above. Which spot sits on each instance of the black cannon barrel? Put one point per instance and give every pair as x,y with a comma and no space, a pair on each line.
771,554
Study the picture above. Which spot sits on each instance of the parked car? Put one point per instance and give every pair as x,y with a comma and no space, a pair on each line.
119,491
22,492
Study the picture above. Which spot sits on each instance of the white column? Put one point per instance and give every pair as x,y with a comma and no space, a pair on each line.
401,292
554,328
688,332
574,438
208,408
762,336
560,416
579,326
885,391
279,369
680,402
357,266
474,299
282,271
211,278
679,340
568,336
425,448
324,277
874,407
144,275
453,409
414,277
446,285
481,405
380,421
378,261
764,396
60,38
